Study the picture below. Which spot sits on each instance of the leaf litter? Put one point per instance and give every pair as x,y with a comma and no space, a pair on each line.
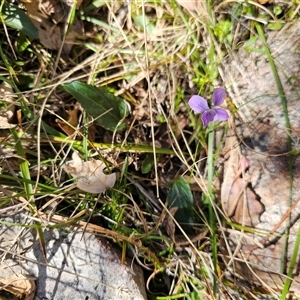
19,285
89,174
50,17
239,201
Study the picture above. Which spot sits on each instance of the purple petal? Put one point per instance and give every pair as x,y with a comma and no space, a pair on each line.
221,114
208,116
218,96
198,104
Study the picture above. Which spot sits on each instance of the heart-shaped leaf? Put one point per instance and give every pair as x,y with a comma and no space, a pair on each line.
107,109
181,196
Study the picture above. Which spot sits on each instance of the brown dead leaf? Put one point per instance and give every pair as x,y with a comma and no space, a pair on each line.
72,122
50,17
92,131
240,203
73,32
89,174
7,112
68,126
49,34
78,4
19,285
193,5
169,223
248,208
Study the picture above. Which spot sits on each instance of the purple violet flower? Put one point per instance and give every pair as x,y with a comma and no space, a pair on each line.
216,113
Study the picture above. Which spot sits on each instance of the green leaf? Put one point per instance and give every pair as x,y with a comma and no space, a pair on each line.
251,46
94,4
23,43
107,109
275,25
222,29
49,129
181,196
139,20
147,164
16,18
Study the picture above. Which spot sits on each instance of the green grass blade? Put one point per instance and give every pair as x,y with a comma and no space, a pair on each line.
290,160
23,163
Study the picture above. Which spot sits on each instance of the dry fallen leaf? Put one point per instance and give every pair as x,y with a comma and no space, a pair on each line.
6,100
190,5
248,208
243,204
72,121
89,174
239,201
50,18
19,285
169,223
92,131
74,31
49,32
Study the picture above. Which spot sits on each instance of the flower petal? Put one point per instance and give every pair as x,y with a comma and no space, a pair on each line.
221,114
198,104
218,96
208,116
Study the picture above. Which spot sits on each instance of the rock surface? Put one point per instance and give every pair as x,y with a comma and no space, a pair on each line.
263,136
78,266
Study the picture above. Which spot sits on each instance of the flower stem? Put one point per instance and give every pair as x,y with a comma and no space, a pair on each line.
211,213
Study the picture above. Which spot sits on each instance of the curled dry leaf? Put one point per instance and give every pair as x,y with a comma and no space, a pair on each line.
8,109
19,285
89,174
72,121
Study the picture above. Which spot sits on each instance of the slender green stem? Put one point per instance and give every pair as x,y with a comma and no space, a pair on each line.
99,23
23,163
290,162
209,9
24,167
211,213
212,69
126,148
293,262
179,11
